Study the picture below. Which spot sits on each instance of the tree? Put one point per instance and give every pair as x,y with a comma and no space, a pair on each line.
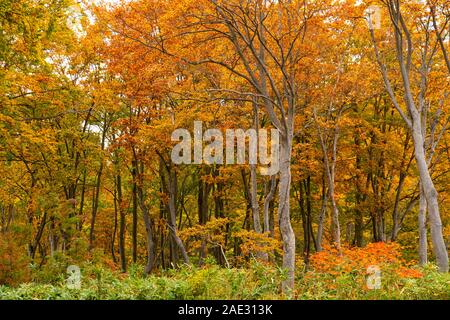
416,111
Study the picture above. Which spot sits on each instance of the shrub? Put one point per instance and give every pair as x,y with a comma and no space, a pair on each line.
332,276
343,275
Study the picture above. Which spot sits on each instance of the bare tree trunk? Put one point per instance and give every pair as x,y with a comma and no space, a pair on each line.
113,238
431,195
423,245
323,212
83,191
172,186
348,231
335,217
202,208
149,232
147,222
38,236
359,197
52,237
254,199
255,209
336,225
287,233
135,211
96,197
95,201
330,169
267,201
123,259
254,190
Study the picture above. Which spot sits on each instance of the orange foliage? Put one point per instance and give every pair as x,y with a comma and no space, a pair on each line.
404,272
255,242
13,262
351,259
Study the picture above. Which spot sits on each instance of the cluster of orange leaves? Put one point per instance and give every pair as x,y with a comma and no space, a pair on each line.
405,272
212,232
354,259
253,242
13,262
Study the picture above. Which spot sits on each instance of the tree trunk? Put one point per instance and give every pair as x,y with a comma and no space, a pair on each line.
323,212
147,222
336,225
287,233
97,187
267,201
330,173
359,197
123,259
395,215
423,245
83,191
172,186
135,216
95,207
254,189
38,236
431,196
113,238
149,232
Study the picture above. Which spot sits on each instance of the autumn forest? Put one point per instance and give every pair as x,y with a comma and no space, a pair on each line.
92,91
